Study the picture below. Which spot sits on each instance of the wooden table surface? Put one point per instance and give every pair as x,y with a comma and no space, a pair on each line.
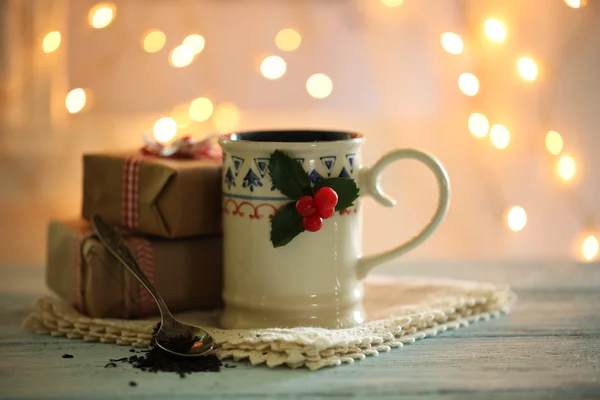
549,347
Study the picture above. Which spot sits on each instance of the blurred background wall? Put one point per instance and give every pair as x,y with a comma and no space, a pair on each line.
393,79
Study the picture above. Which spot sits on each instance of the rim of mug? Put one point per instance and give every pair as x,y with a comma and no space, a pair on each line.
225,139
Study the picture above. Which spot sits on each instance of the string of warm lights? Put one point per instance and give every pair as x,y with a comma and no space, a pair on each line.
225,116
566,166
479,126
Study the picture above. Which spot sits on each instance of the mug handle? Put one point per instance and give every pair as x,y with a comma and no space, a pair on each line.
368,178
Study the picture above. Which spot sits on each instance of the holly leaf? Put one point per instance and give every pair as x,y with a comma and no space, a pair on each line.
286,225
345,188
288,175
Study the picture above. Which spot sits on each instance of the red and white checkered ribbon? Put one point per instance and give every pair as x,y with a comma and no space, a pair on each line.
145,259
131,179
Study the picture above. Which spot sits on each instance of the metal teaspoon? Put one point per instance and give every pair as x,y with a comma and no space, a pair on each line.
173,336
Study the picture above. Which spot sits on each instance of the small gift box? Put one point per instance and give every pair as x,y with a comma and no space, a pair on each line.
186,272
158,191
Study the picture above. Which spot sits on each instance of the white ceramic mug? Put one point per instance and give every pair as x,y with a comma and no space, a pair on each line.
315,280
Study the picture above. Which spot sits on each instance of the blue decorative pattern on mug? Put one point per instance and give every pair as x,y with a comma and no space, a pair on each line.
255,172
251,180
328,162
237,164
315,176
229,178
344,173
262,164
350,157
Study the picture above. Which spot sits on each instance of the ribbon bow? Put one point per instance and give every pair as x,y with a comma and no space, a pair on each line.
185,147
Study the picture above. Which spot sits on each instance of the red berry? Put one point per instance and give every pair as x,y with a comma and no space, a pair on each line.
306,206
326,198
312,223
328,213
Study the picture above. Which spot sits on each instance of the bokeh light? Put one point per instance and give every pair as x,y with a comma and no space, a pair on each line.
452,43
288,39
478,125
196,42
75,100
576,3
527,68
273,67
566,167
165,129
101,15
51,42
499,136
201,109
590,247
319,86
181,114
554,143
182,56
516,218
154,41
226,117
468,84
495,30
392,3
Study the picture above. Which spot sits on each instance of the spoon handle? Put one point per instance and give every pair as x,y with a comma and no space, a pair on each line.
115,244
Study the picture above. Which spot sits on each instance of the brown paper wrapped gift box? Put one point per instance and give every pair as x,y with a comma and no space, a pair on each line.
187,272
171,198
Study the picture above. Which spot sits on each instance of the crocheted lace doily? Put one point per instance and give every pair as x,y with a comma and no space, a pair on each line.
400,311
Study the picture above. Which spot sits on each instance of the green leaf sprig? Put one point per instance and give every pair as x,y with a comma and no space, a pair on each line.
291,180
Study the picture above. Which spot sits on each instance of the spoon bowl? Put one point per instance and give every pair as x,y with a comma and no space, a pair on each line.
184,340
172,336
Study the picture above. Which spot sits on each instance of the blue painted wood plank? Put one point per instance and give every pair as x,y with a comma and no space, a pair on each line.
549,347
